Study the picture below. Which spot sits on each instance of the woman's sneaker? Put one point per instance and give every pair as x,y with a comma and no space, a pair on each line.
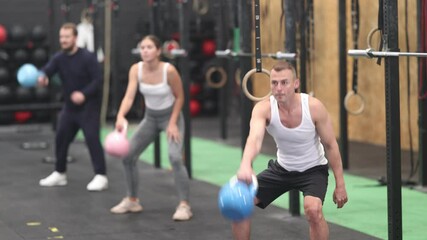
126,206
54,179
182,213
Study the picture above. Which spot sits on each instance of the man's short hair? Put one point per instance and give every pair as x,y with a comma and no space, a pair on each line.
71,26
284,65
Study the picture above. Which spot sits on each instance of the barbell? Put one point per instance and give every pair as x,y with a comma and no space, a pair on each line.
277,55
170,50
370,53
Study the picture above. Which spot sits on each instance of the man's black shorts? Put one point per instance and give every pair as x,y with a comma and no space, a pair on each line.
275,181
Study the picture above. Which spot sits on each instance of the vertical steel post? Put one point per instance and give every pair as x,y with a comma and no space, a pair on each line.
185,75
154,29
394,178
245,23
221,38
342,39
289,8
301,6
107,61
422,113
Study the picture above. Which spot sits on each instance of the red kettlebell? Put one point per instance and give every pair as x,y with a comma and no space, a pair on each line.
3,34
195,107
208,47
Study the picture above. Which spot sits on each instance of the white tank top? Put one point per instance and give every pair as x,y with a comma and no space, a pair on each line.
299,148
157,96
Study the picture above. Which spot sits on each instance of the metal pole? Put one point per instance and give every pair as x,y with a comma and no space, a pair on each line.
342,38
153,15
185,75
303,45
245,23
422,109
223,92
290,46
66,10
97,26
394,178
422,155
107,61
115,61
51,24
232,18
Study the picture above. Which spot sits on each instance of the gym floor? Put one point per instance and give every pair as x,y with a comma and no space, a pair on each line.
33,212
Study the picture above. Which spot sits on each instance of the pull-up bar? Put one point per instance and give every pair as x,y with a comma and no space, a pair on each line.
277,55
179,52
370,53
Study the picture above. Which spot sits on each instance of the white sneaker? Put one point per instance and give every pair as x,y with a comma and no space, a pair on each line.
126,206
98,183
54,179
182,213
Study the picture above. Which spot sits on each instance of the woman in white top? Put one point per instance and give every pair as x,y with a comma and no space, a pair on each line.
160,84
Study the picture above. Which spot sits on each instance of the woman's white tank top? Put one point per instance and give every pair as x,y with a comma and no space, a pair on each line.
157,96
299,148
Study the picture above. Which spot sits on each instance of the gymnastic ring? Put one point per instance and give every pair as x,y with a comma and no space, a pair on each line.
369,37
245,85
167,48
222,73
362,105
201,7
237,74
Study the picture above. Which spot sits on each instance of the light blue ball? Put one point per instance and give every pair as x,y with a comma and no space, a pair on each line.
27,75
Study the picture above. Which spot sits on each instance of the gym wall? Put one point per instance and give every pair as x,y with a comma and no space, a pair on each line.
130,23
26,42
368,127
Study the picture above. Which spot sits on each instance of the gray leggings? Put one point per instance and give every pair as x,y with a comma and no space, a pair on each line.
154,121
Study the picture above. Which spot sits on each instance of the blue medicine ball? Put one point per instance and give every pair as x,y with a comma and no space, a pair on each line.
236,200
27,75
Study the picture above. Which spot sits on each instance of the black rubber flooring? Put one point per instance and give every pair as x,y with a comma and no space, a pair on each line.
34,213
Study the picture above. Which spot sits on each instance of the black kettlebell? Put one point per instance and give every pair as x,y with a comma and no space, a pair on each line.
6,95
4,75
23,94
39,56
38,33
21,56
18,33
42,94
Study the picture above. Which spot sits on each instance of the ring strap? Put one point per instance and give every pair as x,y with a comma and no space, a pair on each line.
258,56
380,27
355,27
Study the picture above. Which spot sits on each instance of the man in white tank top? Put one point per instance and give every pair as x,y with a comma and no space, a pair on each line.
303,132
